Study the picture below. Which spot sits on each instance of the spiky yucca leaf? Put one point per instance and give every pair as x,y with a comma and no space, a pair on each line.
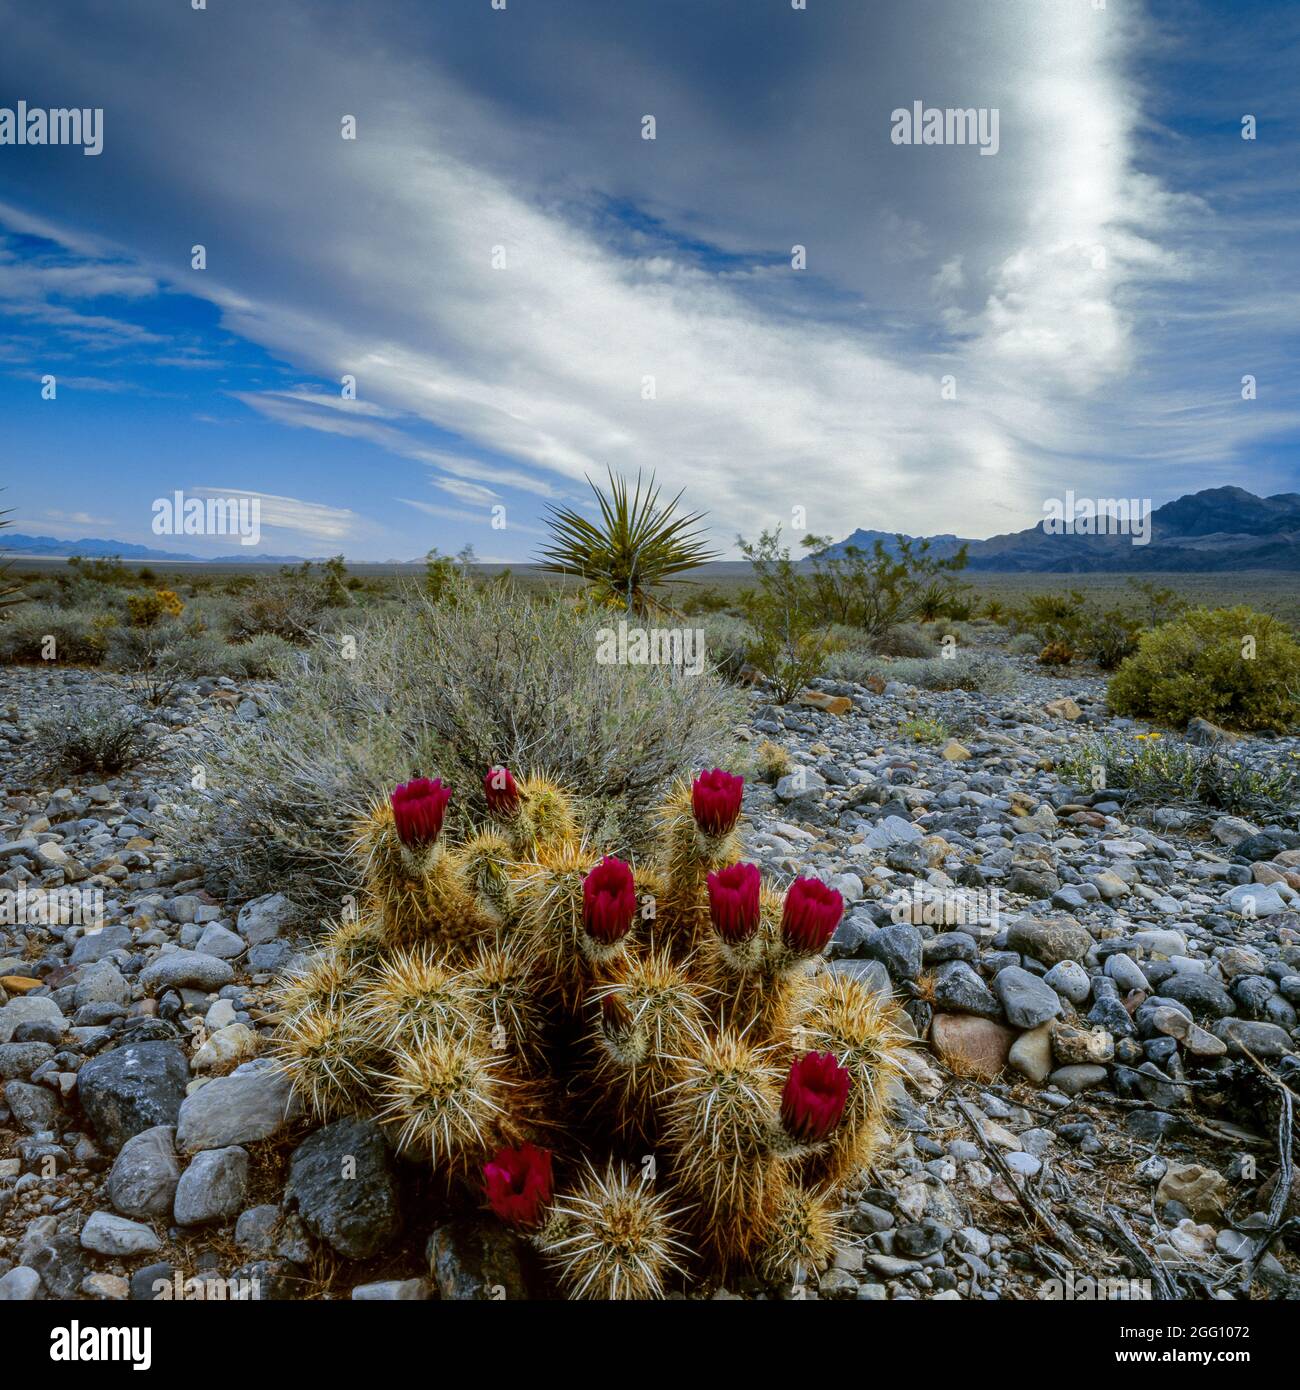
613,1238
637,545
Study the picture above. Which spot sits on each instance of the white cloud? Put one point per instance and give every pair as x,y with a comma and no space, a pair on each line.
293,514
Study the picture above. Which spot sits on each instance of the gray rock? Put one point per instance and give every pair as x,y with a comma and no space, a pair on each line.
264,918
1126,973
143,1180
1082,1077
96,945
55,1255
103,983
393,1291
107,1234
358,1215
1266,1040
1206,998
133,1088
186,970
221,942
958,988
1050,938
1069,979
898,948
35,1108
212,1188
253,1102
20,1285
1027,1000
28,1009
473,1259
255,1230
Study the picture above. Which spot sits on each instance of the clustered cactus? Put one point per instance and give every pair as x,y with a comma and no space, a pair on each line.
664,1037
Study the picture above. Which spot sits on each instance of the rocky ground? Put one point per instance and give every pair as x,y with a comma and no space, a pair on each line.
1108,1041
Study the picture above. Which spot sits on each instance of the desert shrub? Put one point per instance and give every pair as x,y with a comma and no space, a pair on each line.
1052,618
100,736
265,655
727,641
704,598
922,729
906,639
1151,771
1024,644
1107,638
988,674
791,637
1232,666
495,677
291,605
146,608
80,635
1058,653
878,589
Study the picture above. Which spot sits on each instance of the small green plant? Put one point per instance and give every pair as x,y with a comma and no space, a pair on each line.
635,548
1232,666
1149,770
446,575
771,761
923,729
102,736
791,641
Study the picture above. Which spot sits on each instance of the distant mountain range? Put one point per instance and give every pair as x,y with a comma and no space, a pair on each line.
93,548
1221,528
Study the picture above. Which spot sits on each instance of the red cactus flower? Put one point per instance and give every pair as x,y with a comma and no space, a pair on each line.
608,901
815,1094
418,809
715,800
501,792
518,1184
812,912
733,902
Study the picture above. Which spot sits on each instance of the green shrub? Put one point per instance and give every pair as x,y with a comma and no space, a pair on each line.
990,675
80,635
445,689
791,637
1232,666
291,605
727,641
905,639
1108,638
1151,771
922,729
100,736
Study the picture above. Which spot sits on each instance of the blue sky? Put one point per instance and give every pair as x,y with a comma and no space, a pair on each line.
1096,290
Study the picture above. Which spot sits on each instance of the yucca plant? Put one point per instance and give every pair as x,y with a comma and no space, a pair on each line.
663,1037
637,546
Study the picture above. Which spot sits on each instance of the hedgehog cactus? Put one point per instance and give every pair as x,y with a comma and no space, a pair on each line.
664,1037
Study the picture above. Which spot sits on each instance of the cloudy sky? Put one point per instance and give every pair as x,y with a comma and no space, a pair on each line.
527,291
